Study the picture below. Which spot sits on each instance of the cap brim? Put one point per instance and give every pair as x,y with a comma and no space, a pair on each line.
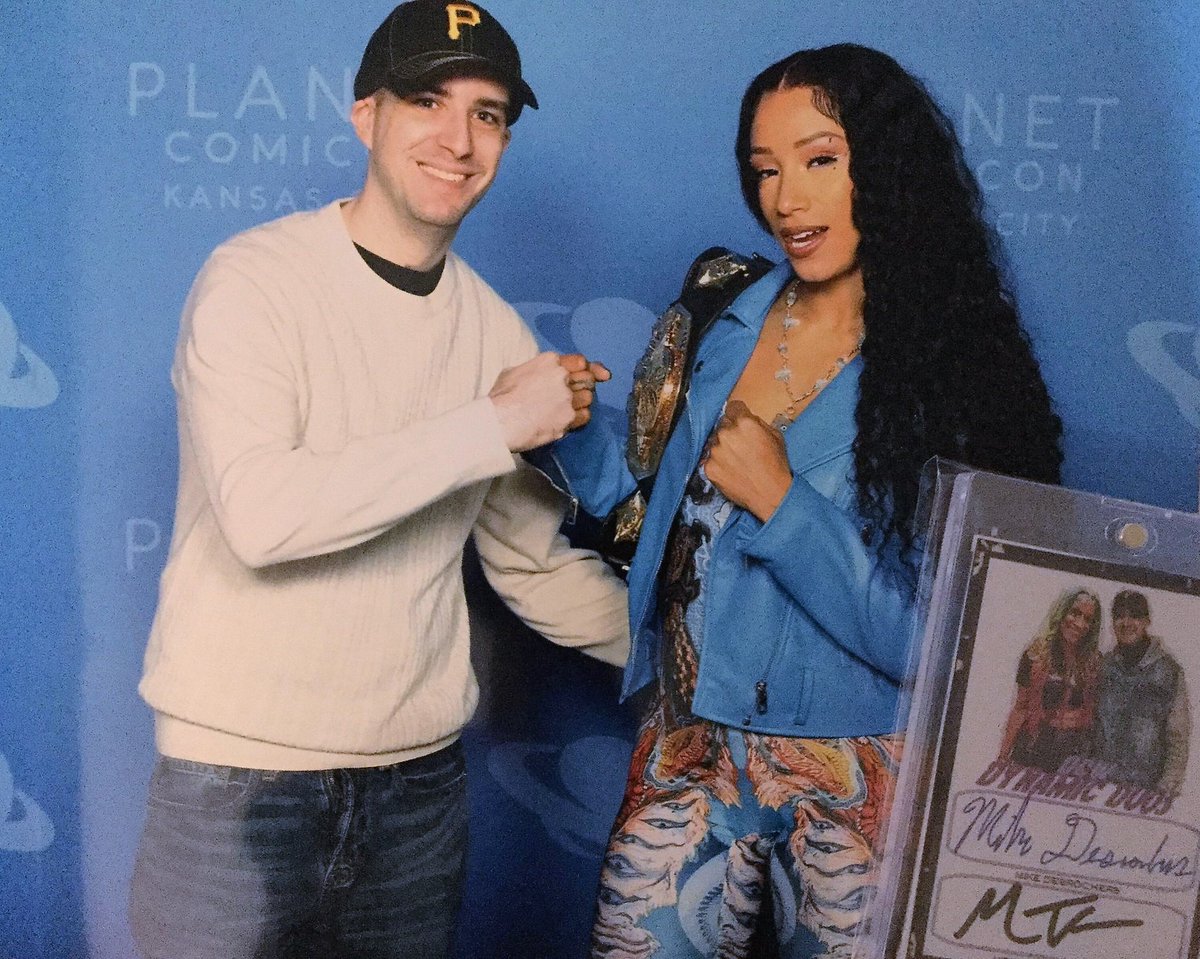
442,64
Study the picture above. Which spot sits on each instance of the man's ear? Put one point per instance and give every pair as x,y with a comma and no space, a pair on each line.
362,118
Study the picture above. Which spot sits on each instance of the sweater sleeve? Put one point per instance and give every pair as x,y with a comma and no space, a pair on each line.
817,554
276,498
568,595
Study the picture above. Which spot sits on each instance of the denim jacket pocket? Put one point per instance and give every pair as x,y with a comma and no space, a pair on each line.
804,680
791,682
785,692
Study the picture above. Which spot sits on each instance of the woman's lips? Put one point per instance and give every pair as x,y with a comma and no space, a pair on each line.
802,242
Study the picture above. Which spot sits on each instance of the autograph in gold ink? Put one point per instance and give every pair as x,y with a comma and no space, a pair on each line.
1063,917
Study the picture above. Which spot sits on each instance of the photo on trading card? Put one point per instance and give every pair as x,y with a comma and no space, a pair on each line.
1065,809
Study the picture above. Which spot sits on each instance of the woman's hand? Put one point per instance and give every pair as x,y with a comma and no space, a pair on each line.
747,461
582,377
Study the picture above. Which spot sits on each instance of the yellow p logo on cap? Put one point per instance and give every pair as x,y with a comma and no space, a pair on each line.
461,15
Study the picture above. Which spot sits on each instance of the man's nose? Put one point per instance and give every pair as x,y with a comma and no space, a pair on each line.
455,134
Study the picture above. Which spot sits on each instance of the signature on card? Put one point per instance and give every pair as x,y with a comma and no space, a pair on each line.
1052,921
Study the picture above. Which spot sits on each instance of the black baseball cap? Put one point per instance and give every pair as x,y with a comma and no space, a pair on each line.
424,40
1129,602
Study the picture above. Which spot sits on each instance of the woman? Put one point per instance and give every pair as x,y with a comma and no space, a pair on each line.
771,592
1058,680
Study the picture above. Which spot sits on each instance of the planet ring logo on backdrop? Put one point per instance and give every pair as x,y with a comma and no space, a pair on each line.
24,827
610,329
561,794
25,381
1148,344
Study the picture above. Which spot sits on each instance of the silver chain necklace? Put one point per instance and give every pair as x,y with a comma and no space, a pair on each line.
788,414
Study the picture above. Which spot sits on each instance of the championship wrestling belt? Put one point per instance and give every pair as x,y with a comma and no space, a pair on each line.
661,377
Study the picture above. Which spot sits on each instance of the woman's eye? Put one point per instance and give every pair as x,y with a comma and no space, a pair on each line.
762,173
823,159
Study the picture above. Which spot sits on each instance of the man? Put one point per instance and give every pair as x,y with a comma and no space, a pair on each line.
351,397
1144,720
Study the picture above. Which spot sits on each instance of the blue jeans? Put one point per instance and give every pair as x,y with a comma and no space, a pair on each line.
333,864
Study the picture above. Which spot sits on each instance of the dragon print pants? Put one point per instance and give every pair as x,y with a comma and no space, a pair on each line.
731,844
714,821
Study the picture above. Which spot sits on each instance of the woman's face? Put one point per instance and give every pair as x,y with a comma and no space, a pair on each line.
802,162
1078,621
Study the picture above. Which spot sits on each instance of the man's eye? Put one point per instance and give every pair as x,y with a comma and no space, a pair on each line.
491,118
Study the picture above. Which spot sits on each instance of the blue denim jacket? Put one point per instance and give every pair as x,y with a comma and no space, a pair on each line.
806,631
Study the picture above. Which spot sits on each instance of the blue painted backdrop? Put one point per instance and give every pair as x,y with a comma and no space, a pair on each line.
136,136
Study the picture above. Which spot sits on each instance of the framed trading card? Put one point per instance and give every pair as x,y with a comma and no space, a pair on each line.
1063,812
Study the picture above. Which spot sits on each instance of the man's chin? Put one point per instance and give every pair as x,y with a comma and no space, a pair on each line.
447,217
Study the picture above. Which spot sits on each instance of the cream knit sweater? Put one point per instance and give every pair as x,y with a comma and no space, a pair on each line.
337,448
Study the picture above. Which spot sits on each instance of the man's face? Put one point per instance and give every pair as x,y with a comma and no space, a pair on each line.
433,154
1130,628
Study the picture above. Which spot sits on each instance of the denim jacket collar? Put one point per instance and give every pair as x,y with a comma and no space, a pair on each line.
826,427
751,306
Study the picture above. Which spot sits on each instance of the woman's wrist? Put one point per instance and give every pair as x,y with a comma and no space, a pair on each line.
768,502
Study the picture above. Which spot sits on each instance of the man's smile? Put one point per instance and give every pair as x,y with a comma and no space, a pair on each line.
450,176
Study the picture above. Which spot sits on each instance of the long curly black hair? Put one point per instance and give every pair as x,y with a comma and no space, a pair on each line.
947,368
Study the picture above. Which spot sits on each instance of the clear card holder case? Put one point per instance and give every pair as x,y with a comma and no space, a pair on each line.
1048,805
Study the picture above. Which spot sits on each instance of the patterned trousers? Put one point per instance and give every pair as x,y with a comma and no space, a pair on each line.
715,820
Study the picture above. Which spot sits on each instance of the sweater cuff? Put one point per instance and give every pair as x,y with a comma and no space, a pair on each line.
479,431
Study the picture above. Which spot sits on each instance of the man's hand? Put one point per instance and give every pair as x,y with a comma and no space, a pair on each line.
538,401
747,461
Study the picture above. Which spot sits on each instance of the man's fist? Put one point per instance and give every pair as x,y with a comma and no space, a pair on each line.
536,404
